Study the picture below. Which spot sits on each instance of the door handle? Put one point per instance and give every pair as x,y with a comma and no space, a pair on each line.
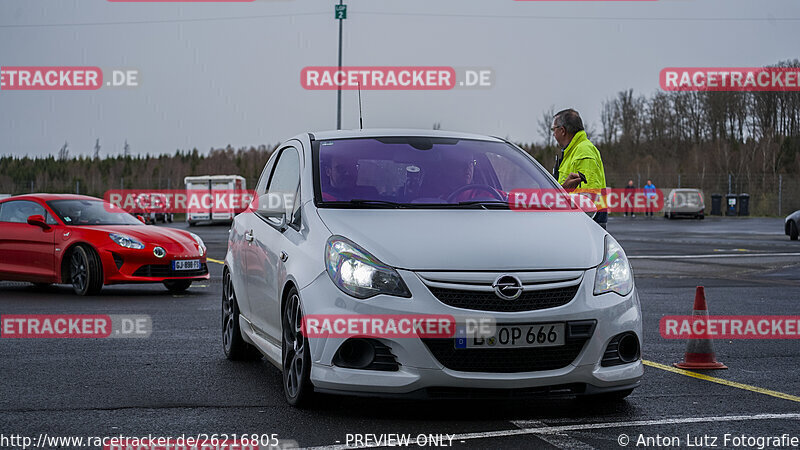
284,256
248,236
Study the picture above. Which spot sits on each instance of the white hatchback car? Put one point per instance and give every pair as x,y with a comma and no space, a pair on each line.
402,223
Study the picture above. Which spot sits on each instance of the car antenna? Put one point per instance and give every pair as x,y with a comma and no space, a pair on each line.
360,117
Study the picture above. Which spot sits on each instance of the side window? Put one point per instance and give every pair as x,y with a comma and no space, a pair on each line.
286,180
18,211
50,220
261,186
511,174
286,176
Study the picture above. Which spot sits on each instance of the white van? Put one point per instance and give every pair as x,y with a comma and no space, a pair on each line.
212,183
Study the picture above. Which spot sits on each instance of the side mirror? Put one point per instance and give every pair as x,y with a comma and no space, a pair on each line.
275,207
38,220
584,202
141,218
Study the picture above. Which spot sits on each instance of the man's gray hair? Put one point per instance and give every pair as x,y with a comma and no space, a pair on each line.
570,120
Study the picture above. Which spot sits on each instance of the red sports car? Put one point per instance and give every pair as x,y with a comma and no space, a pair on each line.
87,242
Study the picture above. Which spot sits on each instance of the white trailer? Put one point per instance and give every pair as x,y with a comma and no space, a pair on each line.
212,183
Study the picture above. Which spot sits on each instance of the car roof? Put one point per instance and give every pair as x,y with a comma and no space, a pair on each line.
398,132
48,197
212,178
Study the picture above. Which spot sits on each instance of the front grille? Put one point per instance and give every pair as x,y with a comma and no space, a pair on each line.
509,360
504,360
489,301
165,270
511,394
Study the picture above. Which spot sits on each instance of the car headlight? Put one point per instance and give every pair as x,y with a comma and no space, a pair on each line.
126,241
200,243
614,273
359,274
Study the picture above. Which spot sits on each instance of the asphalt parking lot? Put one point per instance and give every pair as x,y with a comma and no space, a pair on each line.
177,381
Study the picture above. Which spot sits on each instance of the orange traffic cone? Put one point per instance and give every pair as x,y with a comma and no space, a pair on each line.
700,352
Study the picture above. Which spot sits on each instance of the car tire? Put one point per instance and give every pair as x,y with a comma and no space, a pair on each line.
793,230
85,271
296,355
701,217
177,286
616,396
234,346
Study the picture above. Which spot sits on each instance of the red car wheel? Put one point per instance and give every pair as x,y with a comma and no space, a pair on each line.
85,271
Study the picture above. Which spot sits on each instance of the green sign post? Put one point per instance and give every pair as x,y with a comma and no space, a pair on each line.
340,12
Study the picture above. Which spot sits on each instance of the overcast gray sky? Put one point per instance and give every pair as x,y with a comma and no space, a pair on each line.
213,74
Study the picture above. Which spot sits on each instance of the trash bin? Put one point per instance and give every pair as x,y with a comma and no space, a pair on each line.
716,204
744,204
730,209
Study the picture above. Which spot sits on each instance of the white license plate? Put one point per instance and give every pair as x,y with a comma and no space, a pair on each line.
186,264
519,336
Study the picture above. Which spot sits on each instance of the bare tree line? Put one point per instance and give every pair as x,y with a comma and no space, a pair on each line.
94,176
742,133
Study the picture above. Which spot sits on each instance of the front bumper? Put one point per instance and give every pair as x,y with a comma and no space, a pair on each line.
419,369
122,265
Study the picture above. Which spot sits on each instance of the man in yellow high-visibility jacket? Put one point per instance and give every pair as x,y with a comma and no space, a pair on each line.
578,157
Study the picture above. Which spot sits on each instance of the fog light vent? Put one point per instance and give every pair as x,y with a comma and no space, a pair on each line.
366,354
623,349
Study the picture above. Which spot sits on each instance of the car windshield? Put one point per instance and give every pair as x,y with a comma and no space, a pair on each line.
421,172
91,212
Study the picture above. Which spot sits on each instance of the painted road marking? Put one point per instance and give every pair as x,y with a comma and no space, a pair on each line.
215,261
557,440
641,423
714,255
589,426
701,376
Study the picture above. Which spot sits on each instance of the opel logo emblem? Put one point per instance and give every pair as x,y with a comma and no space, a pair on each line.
507,287
159,252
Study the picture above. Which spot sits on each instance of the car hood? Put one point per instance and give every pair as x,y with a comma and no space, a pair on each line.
169,238
471,240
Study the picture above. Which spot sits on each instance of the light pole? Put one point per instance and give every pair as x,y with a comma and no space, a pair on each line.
340,11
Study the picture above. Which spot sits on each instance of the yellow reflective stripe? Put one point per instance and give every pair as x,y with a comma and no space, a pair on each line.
701,376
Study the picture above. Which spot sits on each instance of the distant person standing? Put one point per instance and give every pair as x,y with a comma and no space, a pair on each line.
650,195
629,199
578,156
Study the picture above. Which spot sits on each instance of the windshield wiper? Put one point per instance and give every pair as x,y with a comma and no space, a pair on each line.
369,202
484,203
